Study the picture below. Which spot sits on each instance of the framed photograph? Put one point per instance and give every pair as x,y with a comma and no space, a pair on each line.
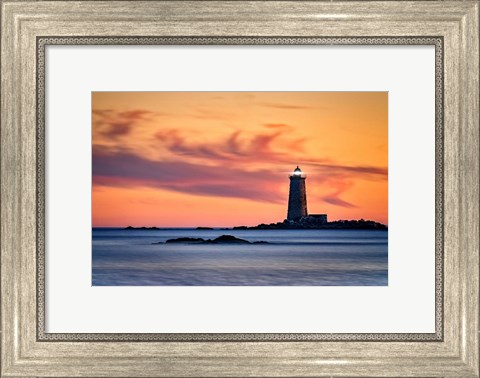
201,183
218,188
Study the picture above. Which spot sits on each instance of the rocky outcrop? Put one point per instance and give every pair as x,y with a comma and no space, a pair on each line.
306,225
141,228
224,239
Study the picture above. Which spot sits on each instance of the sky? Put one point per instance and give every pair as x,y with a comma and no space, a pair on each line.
222,159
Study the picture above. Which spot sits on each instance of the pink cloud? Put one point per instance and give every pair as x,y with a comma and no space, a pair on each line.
113,124
224,167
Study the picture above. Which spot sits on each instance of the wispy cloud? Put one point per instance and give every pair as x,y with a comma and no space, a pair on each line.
339,187
113,124
237,147
262,146
123,169
223,167
338,202
379,172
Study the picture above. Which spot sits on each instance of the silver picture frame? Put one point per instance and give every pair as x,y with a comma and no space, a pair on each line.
452,27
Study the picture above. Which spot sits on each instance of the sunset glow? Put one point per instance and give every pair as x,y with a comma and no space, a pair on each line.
222,159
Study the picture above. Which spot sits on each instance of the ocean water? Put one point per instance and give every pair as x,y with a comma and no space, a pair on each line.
292,258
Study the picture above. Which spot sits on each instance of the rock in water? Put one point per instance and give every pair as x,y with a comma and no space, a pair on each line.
228,239
141,228
224,239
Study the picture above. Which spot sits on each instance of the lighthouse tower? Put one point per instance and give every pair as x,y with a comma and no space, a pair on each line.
297,198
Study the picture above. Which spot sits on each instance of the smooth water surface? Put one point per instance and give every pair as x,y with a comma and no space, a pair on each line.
293,258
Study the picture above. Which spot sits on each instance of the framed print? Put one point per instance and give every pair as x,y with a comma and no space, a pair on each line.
240,188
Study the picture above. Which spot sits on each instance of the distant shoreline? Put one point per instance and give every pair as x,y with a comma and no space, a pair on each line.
334,225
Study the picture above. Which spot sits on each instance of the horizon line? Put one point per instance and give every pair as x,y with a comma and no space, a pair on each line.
214,227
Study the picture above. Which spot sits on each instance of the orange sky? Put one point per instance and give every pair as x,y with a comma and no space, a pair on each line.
187,159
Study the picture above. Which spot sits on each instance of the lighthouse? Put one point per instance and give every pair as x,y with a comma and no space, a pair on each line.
297,197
